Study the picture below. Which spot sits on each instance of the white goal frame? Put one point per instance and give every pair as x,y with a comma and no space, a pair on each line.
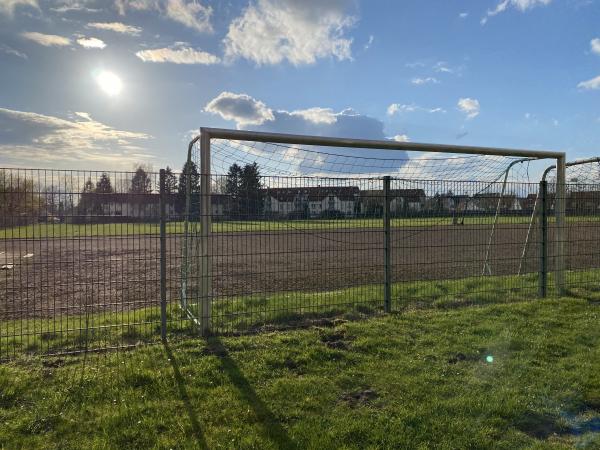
203,316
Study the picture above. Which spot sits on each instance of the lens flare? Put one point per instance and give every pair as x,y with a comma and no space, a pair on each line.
489,358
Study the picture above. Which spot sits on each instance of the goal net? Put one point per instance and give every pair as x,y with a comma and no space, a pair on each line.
279,231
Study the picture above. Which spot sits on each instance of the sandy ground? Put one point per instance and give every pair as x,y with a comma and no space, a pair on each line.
122,272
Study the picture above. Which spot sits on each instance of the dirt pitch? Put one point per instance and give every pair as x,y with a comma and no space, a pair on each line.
66,276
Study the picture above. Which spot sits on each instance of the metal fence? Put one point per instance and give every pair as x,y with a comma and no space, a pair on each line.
96,260
80,260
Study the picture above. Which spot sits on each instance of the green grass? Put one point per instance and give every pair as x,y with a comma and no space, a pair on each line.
43,230
257,313
420,379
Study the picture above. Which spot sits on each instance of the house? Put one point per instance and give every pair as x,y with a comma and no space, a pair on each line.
402,201
488,202
583,202
407,200
139,207
310,201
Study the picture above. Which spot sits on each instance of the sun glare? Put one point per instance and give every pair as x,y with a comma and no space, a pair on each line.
110,83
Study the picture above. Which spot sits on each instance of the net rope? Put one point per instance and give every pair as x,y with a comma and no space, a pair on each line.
287,160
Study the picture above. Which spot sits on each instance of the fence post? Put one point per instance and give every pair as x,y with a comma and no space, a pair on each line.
543,271
205,307
560,210
163,256
387,287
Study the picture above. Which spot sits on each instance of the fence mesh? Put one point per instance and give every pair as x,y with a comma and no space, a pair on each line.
79,260
80,251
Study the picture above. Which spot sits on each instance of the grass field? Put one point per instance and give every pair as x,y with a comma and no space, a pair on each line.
465,364
509,375
119,229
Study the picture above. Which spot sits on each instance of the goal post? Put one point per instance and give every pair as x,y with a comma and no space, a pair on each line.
197,254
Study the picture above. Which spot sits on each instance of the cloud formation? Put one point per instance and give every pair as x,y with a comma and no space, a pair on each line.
192,14
272,31
47,40
179,54
595,46
8,7
521,5
11,51
469,106
395,108
117,27
34,138
241,108
401,138
246,110
91,43
426,80
593,84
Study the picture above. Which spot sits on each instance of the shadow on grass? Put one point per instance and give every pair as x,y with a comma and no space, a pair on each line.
197,429
272,429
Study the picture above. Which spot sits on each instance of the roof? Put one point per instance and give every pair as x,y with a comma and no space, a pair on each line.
317,193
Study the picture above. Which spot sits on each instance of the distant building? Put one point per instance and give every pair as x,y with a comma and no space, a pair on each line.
311,201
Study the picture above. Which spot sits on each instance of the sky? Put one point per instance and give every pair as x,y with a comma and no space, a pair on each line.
107,84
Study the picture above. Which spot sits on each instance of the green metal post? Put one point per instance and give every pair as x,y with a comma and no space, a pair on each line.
387,288
163,257
543,273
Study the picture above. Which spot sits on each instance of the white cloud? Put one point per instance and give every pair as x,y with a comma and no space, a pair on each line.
272,31
442,67
463,15
592,84
178,54
469,106
135,5
398,107
47,40
521,5
401,138
8,7
11,51
241,108
39,138
426,80
595,46
73,5
117,27
317,115
192,15
367,46
91,43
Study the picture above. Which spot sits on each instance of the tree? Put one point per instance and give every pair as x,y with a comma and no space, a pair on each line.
244,189
250,191
189,168
20,200
170,181
141,182
232,189
104,186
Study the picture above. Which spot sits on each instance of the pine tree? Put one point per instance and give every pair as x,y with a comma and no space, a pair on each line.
141,182
170,181
104,186
190,167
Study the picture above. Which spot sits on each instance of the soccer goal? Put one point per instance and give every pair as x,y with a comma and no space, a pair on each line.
280,228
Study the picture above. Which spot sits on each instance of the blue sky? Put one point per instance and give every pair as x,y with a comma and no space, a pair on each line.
510,73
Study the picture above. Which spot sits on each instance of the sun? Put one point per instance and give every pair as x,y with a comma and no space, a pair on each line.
110,83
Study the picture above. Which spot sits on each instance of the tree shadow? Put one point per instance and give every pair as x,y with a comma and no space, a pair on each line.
197,429
272,429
